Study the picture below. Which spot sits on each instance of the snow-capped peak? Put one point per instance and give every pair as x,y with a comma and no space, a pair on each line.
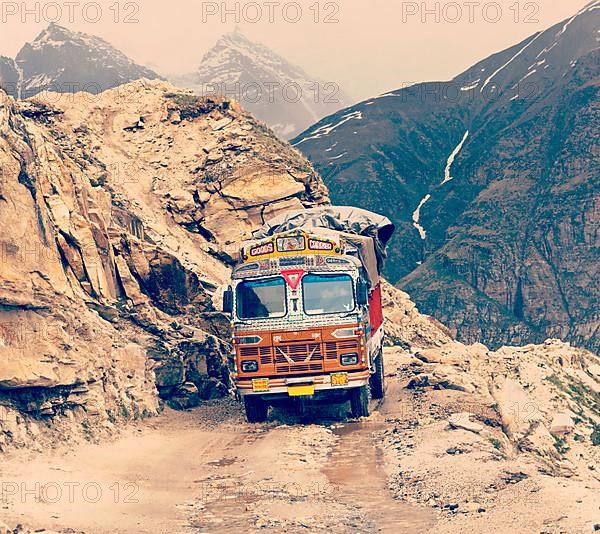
275,90
63,60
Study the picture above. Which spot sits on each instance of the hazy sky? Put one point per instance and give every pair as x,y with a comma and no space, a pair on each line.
368,47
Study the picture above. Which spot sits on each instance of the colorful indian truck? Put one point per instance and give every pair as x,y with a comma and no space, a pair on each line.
307,318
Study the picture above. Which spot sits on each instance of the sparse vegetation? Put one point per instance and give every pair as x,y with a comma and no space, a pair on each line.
496,443
560,444
581,394
191,106
87,430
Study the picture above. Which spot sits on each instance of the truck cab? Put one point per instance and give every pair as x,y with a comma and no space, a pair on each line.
307,321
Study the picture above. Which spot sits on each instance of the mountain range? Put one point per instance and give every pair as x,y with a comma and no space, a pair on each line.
274,90
492,179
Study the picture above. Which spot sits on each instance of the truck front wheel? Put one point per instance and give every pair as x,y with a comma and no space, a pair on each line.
359,401
378,378
256,409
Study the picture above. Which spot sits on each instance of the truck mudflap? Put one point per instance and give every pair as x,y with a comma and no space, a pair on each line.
288,386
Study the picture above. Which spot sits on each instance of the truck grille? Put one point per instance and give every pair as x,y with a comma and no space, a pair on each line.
262,353
333,349
298,353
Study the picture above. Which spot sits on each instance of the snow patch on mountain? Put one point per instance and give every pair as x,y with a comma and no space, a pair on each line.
498,71
473,85
455,152
328,128
416,217
589,7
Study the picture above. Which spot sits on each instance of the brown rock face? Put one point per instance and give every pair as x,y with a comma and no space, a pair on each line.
406,326
117,211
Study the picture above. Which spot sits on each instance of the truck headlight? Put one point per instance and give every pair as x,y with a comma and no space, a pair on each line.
249,366
350,358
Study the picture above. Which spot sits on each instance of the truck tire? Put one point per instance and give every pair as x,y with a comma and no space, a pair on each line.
256,409
377,380
359,401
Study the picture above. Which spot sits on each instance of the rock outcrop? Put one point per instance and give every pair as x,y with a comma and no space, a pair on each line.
493,441
119,213
546,397
406,326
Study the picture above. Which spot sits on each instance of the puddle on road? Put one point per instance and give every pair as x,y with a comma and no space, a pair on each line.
356,470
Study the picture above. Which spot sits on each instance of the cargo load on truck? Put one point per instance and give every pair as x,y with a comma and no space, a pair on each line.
306,310
367,231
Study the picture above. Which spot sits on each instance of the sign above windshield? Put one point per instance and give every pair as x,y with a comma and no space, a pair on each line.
291,244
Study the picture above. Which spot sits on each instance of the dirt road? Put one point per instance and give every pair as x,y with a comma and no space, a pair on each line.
208,470
402,470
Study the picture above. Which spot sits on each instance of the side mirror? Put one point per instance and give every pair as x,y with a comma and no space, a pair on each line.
362,293
228,301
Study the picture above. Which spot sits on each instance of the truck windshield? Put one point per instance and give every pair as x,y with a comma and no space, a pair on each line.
261,299
325,293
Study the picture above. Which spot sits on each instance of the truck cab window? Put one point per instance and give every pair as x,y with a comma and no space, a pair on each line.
261,299
325,294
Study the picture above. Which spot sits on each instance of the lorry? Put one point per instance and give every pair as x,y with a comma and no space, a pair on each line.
306,308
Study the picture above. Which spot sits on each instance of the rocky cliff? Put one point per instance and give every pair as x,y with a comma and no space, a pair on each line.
492,181
118,213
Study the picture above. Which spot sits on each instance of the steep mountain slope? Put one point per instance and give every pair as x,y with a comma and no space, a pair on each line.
116,220
492,179
274,90
65,61
9,76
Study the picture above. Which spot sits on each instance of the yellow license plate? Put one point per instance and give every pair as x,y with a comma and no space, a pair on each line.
339,379
301,391
260,385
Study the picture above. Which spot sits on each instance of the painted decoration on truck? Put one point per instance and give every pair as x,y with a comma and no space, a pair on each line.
292,244
320,244
293,277
262,249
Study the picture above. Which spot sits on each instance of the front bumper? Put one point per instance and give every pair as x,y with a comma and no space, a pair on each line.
278,387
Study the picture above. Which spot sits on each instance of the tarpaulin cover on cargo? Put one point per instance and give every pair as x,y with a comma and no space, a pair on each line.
367,231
